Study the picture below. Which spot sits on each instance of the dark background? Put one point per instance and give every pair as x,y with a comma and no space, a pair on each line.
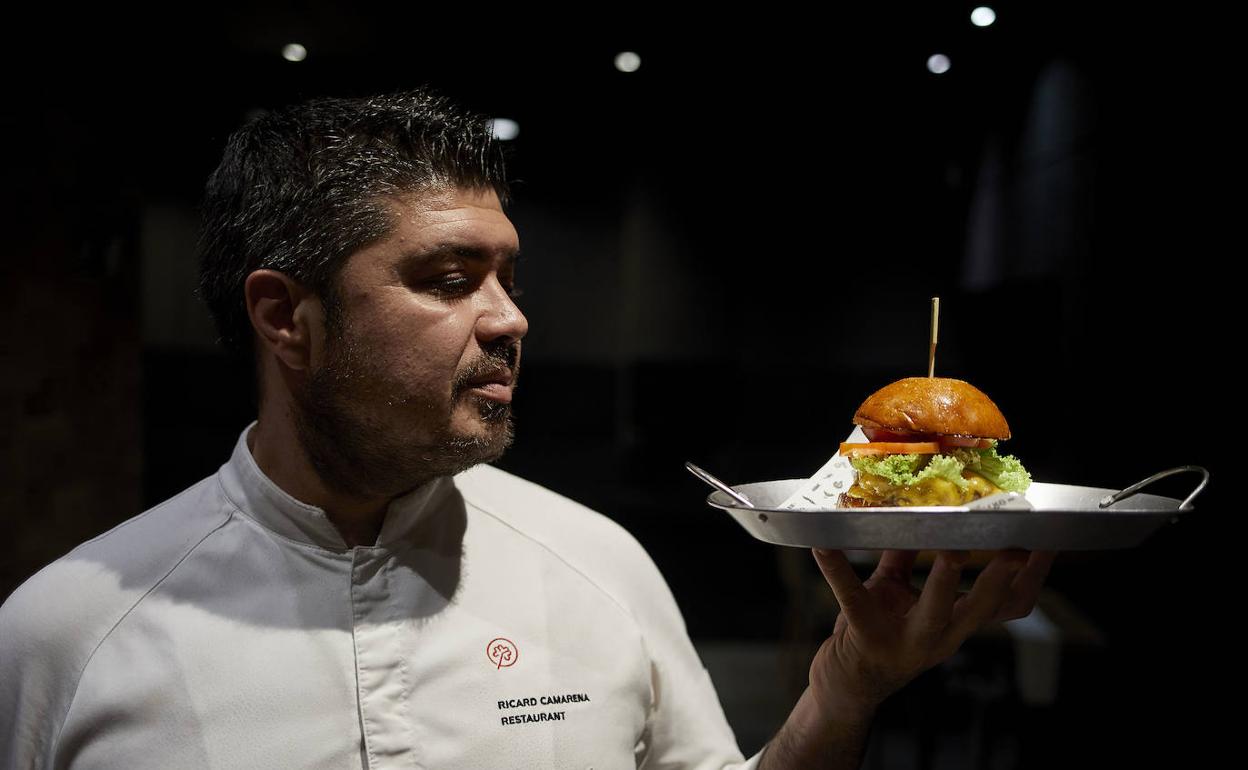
725,252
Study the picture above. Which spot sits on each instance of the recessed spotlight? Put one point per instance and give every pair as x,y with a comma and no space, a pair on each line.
505,129
627,61
938,64
983,16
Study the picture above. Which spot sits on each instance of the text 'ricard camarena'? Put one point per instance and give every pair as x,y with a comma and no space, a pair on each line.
545,700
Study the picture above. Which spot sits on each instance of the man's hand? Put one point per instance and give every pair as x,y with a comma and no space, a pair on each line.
887,634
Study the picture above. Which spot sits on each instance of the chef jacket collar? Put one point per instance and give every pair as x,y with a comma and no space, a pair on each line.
256,495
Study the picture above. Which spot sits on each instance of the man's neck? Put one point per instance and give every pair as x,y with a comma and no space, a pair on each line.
281,458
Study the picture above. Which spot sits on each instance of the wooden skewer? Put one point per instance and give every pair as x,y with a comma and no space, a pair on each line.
931,353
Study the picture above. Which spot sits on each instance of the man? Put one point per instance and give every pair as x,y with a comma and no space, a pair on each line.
355,587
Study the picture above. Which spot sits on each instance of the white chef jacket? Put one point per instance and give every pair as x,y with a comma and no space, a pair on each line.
494,624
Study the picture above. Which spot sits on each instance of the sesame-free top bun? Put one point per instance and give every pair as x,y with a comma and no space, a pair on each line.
933,405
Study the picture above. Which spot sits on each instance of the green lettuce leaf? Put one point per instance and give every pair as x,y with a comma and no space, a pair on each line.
1003,470
905,470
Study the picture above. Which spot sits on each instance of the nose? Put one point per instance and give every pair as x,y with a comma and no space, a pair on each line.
499,317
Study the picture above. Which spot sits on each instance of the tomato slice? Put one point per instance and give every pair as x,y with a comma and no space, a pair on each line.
890,448
895,436
880,435
965,442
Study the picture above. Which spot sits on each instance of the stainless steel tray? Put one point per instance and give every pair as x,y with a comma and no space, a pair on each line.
1065,518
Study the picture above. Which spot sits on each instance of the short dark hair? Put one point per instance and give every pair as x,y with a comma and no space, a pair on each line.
300,189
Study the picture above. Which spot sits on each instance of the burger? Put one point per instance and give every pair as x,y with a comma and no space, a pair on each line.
931,441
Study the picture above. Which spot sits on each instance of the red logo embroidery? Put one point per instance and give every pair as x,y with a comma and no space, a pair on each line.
502,652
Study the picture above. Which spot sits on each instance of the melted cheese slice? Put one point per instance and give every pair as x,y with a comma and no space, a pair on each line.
876,491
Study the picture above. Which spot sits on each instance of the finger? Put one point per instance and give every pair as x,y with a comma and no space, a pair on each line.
990,592
894,596
931,615
839,624
897,565
1028,584
857,606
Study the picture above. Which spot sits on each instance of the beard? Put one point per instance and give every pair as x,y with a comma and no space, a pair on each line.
368,438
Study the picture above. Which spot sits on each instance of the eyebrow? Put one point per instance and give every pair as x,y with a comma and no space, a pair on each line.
462,250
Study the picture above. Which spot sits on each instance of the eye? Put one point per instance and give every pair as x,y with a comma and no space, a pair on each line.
450,284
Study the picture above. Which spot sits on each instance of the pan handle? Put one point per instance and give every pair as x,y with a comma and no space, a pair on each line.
1186,505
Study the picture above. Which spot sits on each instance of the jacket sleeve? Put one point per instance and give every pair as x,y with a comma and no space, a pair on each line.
38,674
686,727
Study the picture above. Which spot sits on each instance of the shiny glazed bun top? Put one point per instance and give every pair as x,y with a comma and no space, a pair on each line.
933,405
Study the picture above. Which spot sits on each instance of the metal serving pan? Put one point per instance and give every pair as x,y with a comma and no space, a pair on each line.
1064,518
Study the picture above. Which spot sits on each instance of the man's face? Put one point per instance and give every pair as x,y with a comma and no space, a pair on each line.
416,381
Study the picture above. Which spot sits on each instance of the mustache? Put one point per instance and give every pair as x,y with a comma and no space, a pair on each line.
504,355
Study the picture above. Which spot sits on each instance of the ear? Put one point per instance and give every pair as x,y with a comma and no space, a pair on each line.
287,317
